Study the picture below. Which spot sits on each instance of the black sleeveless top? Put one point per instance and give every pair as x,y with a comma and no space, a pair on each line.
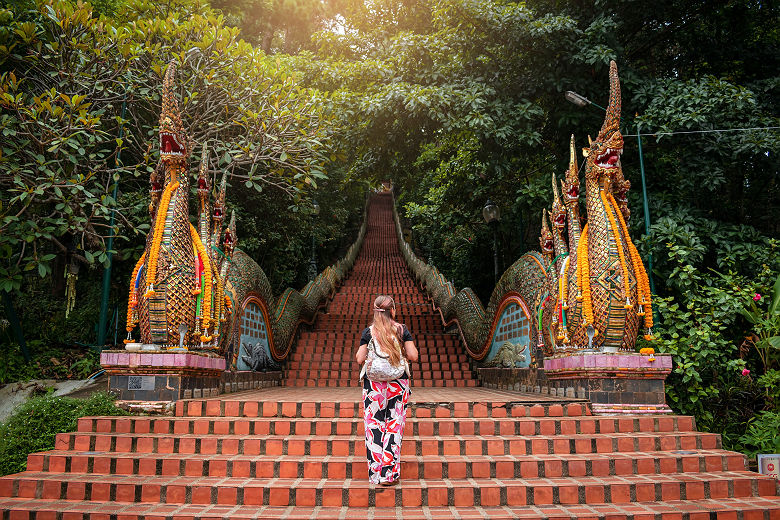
365,338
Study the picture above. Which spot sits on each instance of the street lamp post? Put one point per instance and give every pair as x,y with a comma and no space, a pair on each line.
103,320
582,101
313,262
492,216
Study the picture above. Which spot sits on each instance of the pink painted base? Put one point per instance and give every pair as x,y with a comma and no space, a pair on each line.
596,362
615,383
113,360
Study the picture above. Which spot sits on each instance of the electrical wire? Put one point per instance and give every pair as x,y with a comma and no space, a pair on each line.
655,134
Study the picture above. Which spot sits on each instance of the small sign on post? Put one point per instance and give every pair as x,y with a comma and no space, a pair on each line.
140,382
769,464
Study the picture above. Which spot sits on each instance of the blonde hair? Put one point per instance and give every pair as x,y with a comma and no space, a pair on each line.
386,331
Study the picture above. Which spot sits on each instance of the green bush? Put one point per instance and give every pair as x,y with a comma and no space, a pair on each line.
761,436
34,425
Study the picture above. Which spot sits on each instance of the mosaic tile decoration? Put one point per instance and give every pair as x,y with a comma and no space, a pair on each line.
254,352
511,339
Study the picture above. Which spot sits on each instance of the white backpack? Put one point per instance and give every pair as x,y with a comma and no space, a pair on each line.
379,368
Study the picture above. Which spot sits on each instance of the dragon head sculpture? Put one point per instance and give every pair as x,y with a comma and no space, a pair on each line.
620,187
174,143
604,152
558,212
546,237
571,184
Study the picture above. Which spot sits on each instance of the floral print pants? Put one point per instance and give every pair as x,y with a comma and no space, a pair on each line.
384,413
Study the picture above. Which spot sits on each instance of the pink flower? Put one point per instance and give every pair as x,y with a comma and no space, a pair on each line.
745,372
757,297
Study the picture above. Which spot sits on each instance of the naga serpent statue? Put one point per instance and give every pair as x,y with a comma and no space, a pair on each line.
586,289
192,288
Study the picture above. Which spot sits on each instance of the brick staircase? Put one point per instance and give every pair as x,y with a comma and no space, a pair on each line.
325,356
468,453
298,452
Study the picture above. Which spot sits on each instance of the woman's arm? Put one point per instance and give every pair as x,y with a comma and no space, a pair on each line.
362,353
411,351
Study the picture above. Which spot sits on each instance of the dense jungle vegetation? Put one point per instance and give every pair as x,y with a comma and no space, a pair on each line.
455,101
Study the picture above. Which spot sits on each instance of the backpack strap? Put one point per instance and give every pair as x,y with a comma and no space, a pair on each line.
375,350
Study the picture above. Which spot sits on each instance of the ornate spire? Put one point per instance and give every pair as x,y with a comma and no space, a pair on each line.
219,204
571,184
203,170
546,238
230,236
174,146
203,195
612,119
558,210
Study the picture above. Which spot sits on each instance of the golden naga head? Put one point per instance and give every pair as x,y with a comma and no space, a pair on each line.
570,186
604,152
229,243
546,238
174,144
620,187
558,213
203,174
219,202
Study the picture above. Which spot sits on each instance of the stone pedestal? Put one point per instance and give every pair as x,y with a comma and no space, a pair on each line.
162,375
615,383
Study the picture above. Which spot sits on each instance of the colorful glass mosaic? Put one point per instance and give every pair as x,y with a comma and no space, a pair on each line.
511,345
254,351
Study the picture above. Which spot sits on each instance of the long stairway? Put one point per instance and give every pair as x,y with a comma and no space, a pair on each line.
468,452
325,356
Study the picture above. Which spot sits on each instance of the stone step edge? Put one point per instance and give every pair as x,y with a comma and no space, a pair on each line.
246,408
687,510
638,423
428,466
290,491
710,508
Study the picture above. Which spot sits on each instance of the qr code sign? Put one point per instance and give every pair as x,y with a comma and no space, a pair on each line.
140,382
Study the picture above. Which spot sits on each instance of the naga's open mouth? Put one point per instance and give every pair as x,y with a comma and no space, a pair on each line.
609,159
170,145
560,220
548,245
573,192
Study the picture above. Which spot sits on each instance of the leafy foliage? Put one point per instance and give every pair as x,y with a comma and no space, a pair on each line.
48,362
79,102
762,433
766,325
62,130
34,424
